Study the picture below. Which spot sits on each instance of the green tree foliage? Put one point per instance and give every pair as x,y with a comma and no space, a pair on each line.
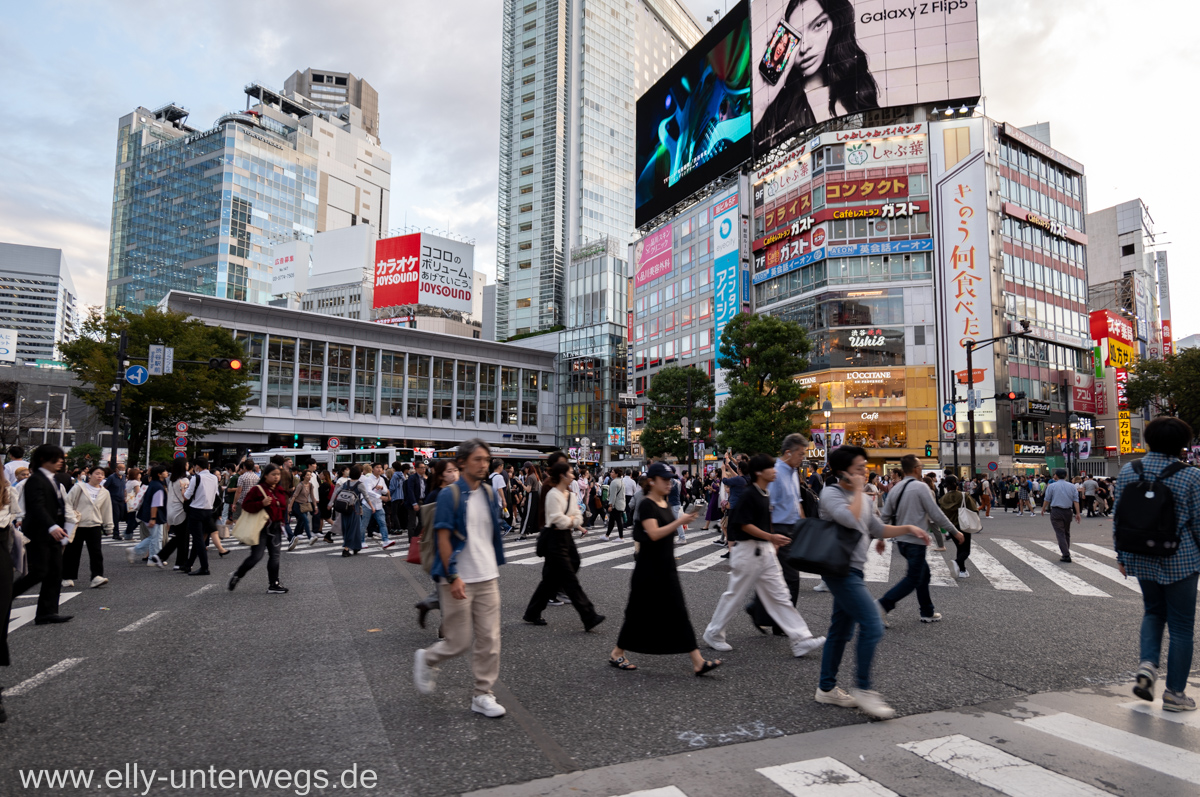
762,355
662,435
1170,386
83,455
206,399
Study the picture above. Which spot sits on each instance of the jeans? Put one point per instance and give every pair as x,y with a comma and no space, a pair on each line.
851,604
151,541
131,524
119,512
303,523
616,516
380,521
270,541
1172,605
915,578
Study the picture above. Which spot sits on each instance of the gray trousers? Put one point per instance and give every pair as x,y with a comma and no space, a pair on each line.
1060,519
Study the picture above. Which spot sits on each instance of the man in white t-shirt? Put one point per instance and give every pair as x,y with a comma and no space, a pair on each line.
374,487
16,459
498,485
468,553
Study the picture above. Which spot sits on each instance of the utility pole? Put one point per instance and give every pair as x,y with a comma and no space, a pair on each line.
112,462
62,421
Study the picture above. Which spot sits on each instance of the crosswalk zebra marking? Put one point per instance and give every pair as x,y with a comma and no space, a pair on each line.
939,572
824,777
1155,710
1000,576
701,563
997,769
536,560
1109,552
690,547
1070,583
878,568
1111,573
1167,759
23,615
665,791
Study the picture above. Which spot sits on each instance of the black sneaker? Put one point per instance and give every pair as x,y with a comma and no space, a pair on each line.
233,581
277,589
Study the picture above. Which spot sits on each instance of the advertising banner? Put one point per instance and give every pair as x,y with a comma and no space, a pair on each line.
289,269
8,345
1167,339
424,269
837,436
1141,305
962,270
726,265
652,255
1124,432
1107,324
817,60
694,124
1122,380
1085,447
1083,393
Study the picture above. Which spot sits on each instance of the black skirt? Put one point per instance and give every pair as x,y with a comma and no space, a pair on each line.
656,617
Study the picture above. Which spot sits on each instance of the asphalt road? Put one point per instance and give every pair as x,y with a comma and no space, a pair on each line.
321,678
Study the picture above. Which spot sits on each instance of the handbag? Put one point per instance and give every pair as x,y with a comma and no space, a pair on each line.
822,547
414,550
250,525
968,521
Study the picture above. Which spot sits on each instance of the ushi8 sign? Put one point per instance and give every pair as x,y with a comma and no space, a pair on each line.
424,269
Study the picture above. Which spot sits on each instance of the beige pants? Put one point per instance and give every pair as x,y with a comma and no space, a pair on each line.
477,617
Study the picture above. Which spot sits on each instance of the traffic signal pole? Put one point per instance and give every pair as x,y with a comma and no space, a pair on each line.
970,346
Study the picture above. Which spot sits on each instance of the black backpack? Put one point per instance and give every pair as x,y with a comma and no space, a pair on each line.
345,501
1145,518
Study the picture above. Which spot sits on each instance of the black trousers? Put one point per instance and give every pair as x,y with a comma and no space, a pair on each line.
270,542
119,511
91,537
178,542
558,576
962,550
200,524
618,517
790,576
45,566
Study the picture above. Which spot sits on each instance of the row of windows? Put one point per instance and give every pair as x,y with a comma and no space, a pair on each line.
690,345
1016,156
1035,275
845,271
1035,236
665,324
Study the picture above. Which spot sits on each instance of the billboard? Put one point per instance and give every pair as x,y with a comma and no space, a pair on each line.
1141,305
726,269
424,269
1114,335
652,256
962,271
1083,393
694,124
818,59
290,267
8,345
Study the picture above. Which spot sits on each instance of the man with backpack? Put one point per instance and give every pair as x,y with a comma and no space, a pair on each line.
909,506
465,564
1062,500
1156,532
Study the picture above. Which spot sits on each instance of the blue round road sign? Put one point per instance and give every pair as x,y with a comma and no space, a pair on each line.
136,374
947,409
180,455
993,465
180,442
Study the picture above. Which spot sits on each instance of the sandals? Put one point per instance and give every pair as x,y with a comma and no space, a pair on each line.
621,664
708,667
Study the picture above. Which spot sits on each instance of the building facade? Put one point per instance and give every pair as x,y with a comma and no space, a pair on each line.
368,384
37,301
331,90
570,78
203,210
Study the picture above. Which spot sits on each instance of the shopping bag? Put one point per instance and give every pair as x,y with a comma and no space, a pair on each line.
414,550
822,547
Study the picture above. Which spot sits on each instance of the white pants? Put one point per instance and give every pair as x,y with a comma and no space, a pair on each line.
755,567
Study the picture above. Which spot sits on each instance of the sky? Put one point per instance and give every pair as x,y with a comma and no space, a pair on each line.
1107,74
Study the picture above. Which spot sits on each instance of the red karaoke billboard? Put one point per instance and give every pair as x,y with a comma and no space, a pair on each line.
397,270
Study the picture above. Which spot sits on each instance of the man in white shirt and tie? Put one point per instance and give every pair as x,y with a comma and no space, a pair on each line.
200,496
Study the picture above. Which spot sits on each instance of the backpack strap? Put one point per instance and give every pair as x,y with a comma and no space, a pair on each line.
1137,468
1170,471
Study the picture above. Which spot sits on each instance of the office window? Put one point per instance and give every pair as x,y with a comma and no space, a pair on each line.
487,393
391,381
418,386
525,153
366,370
526,208
443,388
252,363
311,372
529,398
281,368
466,392
523,303
338,383
508,396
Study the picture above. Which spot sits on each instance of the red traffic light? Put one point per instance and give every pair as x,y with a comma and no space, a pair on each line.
1012,395
236,365
224,364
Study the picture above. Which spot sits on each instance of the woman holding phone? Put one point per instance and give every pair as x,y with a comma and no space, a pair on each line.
847,503
656,617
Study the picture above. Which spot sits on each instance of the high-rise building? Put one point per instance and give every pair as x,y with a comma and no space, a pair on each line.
203,210
570,80
330,90
37,300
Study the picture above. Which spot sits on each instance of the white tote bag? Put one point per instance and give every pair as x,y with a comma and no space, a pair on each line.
968,521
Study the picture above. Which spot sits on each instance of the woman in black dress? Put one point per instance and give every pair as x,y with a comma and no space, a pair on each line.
656,617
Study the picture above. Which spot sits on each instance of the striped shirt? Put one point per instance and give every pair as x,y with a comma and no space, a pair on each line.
1185,488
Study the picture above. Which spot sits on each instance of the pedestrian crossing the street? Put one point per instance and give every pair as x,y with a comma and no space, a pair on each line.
1075,756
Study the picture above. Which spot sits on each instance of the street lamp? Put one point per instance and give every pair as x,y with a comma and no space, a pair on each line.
46,424
1072,423
827,408
61,418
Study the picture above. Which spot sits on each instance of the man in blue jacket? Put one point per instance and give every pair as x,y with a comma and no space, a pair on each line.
469,552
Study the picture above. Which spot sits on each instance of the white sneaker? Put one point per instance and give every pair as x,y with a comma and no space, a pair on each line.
156,561
872,704
487,706
836,696
883,614
68,582
936,617
963,574
130,555
98,581
802,646
424,676
821,587
715,644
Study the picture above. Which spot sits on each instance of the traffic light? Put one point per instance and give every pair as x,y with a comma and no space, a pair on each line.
1011,395
224,364
928,450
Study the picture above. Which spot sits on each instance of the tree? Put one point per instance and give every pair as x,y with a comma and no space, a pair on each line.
668,395
83,455
762,355
206,399
1167,386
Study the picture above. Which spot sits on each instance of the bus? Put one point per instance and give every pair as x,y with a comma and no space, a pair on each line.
329,459
511,456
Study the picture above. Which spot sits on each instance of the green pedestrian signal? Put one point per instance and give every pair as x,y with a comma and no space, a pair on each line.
928,450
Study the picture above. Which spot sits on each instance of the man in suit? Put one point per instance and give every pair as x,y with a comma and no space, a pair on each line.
415,488
44,525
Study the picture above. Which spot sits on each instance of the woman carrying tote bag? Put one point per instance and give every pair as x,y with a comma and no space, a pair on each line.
951,503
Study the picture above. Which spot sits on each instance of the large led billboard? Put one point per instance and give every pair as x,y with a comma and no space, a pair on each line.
694,123
818,59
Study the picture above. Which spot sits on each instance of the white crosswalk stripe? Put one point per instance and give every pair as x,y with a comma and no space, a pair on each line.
997,769
824,777
878,568
1111,573
1000,576
1069,582
679,550
939,571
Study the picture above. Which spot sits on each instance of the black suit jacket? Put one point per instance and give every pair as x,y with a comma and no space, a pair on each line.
44,508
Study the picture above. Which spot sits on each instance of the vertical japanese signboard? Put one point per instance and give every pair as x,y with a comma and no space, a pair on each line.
726,281
652,256
963,267
1124,426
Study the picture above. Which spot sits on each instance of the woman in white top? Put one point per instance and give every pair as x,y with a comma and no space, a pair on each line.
559,571
177,516
94,505
135,488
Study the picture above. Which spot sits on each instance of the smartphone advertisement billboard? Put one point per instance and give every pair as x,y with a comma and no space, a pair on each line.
694,124
814,60
424,269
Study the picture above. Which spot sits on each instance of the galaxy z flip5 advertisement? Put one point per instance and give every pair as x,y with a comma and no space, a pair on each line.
694,124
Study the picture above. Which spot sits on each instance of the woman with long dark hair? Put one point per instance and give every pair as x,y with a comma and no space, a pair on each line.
266,495
827,75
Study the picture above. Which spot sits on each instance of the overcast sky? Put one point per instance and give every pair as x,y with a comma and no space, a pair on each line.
1112,77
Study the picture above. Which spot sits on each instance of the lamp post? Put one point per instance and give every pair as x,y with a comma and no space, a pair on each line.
61,417
46,423
827,408
149,431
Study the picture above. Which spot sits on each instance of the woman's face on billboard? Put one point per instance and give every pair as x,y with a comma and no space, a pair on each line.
816,28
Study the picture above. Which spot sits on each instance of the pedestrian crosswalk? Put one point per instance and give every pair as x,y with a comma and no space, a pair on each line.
1130,750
